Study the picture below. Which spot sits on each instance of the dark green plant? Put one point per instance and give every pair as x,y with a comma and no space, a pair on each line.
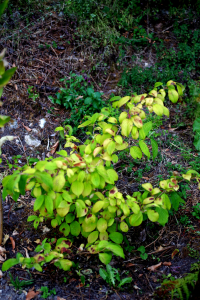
46,292
143,253
19,284
196,211
196,130
112,277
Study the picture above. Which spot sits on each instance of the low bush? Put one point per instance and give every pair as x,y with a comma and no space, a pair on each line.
77,192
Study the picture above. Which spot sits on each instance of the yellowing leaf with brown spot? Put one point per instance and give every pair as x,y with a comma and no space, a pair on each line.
126,127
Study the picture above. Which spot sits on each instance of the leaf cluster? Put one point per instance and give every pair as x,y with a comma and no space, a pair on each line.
111,276
77,191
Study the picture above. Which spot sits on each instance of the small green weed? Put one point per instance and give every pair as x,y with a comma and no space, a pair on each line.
19,284
31,93
143,253
111,275
46,292
196,211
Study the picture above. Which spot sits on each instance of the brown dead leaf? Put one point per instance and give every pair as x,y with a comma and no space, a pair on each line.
27,128
16,88
6,237
27,255
130,265
37,241
54,147
146,178
2,254
12,242
140,275
1,274
167,263
31,295
154,267
58,298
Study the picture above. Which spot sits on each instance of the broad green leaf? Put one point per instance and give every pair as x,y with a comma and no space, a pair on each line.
111,148
166,202
123,100
175,200
3,120
147,127
105,258
173,95
123,116
152,215
77,188
116,237
135,152
95,179
118,139
9,264
163,215
116,249
84,124
49,204
158,109
38,202
154,146
3,6
144,148
126,127
157,84
87,189
165,111
136,219
102,225
97,206
31,218
5,78
93,236
112,175
65,229
124,227
75,228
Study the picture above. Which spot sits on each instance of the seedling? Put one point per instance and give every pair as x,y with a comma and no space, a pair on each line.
31,94
19,284
46,292
143,254
196,212
111,275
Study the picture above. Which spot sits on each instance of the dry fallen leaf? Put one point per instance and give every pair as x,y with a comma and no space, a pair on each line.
45,229
27,255
15,232
37,241
2,254
31,295
6,237
58,298
27,128
54,147
12,242
154,267
167,263
1,274
130,265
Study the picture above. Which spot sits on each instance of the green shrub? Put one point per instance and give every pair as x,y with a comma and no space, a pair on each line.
77,192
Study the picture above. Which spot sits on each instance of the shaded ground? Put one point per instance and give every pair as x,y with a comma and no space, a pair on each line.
42,67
